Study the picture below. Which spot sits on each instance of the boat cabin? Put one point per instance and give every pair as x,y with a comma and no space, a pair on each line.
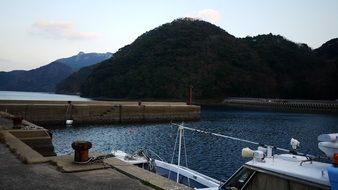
283,172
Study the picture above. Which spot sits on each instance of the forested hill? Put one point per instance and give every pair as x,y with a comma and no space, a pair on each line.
329,50
297,72
165,61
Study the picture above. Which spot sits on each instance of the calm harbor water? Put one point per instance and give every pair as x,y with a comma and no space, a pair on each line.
213,156
14,95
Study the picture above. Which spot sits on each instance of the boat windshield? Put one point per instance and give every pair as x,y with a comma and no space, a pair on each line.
250,179
239,179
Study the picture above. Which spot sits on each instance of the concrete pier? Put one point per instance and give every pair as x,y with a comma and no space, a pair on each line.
312,106
100,112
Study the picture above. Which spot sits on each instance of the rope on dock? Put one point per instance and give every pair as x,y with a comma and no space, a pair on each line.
97,159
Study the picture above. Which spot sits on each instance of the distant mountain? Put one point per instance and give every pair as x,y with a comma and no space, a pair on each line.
165,61
44,79
80,60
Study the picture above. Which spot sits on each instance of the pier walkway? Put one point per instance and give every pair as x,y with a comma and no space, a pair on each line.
16,175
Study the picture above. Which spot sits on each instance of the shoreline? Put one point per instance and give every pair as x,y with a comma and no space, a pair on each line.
286,105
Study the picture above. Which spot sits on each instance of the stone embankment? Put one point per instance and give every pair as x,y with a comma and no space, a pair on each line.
100,112
22,134
315,106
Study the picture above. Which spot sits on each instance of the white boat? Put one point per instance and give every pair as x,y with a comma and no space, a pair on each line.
134,159
266,171
290,171
282,172
187,176
177,173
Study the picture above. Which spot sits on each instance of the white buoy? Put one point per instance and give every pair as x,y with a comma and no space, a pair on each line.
69,122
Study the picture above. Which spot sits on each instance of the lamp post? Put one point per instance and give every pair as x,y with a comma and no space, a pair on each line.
190,95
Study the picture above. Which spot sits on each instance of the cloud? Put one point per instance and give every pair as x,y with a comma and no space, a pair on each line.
210,15
53,25
60,30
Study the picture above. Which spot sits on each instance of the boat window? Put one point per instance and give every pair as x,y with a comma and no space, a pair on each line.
239,179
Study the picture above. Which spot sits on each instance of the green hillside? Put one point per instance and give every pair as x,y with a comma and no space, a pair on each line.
165,61
329,52
296,70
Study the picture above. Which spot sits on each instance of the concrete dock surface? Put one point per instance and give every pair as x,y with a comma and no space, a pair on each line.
22,167
16,175
43,175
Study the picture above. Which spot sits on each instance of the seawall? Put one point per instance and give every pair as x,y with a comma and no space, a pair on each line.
100,112
312,106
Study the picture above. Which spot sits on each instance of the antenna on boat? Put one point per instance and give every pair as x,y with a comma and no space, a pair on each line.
181,137
180,128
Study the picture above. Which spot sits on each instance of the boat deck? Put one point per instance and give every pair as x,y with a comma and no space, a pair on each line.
290,165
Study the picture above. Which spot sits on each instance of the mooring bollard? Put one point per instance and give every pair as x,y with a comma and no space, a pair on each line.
81,150
17,121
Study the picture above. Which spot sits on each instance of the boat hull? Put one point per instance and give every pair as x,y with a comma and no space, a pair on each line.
187,176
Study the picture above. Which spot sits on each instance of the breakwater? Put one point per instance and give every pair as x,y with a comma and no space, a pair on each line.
315,106
99,112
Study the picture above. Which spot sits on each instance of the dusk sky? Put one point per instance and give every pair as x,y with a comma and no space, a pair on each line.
37,32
